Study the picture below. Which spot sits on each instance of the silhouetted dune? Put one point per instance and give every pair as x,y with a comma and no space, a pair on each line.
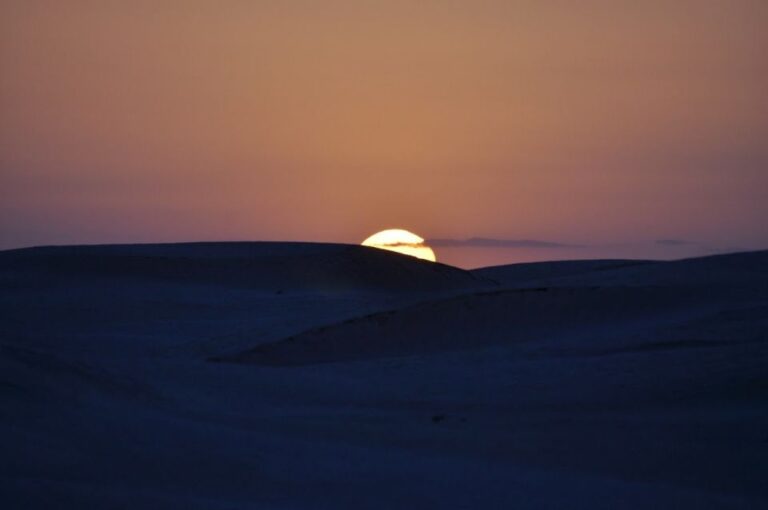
744,269
734,269
659,297
349,377
513,275
272,266
477,321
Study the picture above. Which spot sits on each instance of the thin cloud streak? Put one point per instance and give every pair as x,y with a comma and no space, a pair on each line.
400,245
675,242
484,242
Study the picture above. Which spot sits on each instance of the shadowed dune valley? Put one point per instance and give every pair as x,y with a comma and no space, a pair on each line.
302,375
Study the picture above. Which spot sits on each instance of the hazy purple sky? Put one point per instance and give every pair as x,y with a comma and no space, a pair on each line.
607,123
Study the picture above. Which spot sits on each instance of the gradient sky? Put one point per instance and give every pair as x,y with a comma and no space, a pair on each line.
606,123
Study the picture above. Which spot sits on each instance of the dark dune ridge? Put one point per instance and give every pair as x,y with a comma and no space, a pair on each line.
287,266
734,269
585,299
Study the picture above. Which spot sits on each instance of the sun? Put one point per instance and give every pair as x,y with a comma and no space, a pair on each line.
401,241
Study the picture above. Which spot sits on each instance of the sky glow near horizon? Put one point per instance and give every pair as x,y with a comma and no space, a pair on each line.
601,123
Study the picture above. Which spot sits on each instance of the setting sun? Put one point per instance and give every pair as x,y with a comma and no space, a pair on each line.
401,241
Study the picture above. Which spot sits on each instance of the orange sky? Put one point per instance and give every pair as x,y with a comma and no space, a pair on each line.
576,122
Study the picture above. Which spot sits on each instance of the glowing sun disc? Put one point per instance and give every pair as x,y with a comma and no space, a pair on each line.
401,241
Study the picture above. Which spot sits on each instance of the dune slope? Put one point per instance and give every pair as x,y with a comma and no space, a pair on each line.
353,378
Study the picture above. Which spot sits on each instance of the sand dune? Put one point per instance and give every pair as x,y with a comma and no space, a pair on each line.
531,274
658,300
272,266
353,378
540,315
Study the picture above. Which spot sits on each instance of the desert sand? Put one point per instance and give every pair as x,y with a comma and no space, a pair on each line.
321,376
